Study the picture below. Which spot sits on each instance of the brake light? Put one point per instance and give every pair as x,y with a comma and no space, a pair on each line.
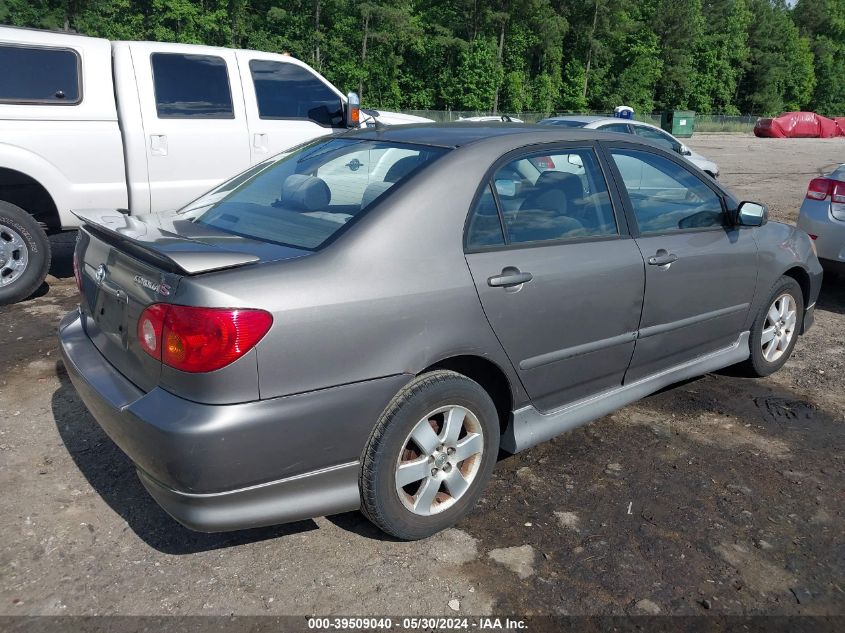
837,194
819,188
200,339
150,327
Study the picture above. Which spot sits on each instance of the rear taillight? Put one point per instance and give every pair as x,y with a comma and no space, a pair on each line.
819,188
200,339
837,194
150,327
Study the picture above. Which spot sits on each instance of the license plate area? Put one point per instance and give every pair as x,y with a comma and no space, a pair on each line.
110,314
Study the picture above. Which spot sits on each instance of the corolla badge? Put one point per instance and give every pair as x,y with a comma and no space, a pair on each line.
161,288
100,275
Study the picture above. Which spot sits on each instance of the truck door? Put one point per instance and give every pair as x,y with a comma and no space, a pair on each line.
193,117
287,103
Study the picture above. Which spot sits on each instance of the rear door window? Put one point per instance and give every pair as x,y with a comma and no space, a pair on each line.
484,228
39,75
555,195
191,86
289,91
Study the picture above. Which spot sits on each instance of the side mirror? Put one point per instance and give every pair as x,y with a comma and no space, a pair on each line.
352,112
683,150
751,214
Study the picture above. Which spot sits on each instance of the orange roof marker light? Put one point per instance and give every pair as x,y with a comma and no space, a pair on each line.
353,110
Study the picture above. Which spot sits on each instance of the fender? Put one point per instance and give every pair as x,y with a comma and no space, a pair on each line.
45,173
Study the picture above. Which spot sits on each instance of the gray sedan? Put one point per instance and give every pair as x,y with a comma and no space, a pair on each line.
364,321
823,217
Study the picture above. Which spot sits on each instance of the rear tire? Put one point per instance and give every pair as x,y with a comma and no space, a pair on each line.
24,254
775,330
429,456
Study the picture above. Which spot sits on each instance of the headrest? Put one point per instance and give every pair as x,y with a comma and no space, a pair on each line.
305,193
401,168
373,191
558,180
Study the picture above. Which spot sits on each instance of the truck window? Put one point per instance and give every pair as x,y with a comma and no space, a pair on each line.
288,91
191,86
39,75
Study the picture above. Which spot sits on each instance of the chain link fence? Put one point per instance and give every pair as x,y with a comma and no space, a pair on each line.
704,123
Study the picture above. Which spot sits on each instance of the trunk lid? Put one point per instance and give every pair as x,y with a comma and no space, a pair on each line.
127,263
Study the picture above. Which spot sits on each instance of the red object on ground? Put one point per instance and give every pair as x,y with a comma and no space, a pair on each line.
799,125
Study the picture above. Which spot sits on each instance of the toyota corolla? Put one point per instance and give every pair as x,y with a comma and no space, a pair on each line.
364,321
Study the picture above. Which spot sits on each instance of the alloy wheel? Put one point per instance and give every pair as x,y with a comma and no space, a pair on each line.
439,461
779,327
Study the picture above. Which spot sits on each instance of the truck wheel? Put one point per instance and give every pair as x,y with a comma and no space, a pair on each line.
429,456
24,254
775,330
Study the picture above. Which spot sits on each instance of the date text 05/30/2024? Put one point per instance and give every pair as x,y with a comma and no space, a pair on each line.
416,623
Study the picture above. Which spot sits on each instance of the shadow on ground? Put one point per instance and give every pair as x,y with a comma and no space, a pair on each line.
832,295
113,477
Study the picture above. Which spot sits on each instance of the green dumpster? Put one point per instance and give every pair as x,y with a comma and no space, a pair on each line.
680,123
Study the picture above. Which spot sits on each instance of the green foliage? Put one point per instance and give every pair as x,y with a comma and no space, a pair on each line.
823,22
714,56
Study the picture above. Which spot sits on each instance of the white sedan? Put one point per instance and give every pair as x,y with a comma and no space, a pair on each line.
645,130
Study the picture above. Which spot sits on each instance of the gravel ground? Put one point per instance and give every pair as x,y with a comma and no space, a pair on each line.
720,495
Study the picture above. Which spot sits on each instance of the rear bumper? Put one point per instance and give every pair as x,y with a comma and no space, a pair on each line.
226,467
815,218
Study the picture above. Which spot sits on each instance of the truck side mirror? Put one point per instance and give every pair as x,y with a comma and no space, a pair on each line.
352,112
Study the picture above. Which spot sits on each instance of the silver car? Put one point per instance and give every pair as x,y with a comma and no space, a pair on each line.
645,130
364,321
823,217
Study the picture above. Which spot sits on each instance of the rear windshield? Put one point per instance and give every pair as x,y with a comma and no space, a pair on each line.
303,197
563,122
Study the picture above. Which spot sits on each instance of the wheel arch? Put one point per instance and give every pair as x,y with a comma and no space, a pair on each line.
29,194
803,278
486,373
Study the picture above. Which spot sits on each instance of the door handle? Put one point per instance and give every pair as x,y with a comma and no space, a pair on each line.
259,142
158,144
510,277
662,258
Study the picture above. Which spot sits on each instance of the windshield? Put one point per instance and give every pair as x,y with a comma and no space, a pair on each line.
303,197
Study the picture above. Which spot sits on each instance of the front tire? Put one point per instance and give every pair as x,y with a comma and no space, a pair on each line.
775,330
429,456
24,254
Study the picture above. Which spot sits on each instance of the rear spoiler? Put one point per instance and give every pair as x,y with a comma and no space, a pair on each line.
169,250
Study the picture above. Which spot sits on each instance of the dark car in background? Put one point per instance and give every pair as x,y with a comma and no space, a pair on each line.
364,321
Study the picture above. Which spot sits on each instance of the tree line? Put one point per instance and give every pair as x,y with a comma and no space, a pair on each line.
713,56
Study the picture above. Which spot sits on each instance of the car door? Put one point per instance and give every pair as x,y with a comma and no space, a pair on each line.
701,270
559,278
286,103
193,118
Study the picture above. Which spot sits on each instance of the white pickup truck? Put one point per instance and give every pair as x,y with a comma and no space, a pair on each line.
143,126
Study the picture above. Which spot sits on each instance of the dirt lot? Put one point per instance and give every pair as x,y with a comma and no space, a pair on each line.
721,495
